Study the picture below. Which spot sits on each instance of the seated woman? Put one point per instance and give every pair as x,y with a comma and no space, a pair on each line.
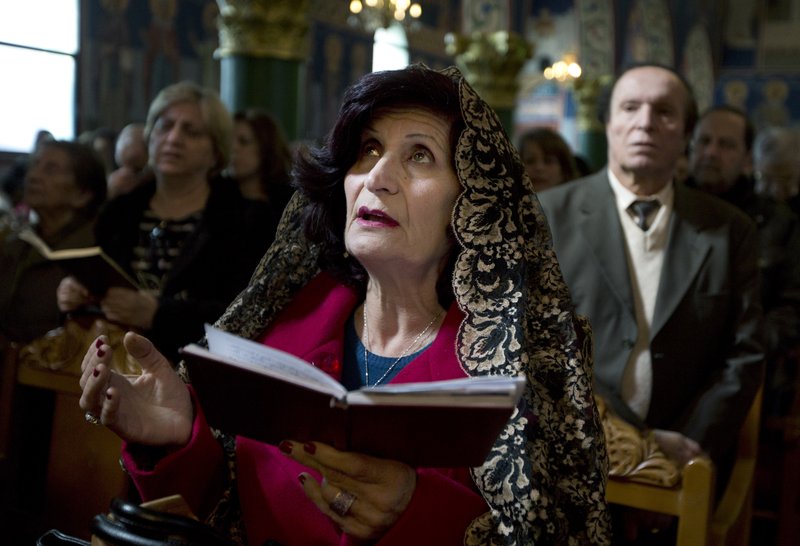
414,250
261,160
261,164
64,186
776,165
547,157
187,236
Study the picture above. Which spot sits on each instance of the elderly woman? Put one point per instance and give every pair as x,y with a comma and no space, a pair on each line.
187,236
64,186
776,165
414,250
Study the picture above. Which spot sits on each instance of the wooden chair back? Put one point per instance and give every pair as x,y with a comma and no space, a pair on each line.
8,377
83,459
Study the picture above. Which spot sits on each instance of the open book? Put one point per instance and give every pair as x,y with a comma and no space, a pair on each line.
251,390
90,265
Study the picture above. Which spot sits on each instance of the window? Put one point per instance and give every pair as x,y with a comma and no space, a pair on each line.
38,60
390,51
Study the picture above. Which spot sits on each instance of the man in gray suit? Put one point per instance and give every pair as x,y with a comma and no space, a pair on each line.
666,274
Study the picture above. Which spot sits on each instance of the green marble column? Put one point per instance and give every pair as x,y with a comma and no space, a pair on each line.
491,62
591,132
263,47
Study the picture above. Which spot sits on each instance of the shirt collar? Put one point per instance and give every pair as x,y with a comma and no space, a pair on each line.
625,197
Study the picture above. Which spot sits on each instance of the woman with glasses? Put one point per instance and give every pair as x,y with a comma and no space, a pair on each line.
187,236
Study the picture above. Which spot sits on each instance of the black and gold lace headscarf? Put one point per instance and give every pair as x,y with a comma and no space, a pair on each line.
544,480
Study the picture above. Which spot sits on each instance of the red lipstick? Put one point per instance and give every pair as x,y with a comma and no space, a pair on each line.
374,217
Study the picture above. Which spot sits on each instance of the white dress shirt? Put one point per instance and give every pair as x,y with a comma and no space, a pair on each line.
645,252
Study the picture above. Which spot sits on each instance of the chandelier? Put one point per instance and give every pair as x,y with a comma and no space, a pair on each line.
374,14
564,70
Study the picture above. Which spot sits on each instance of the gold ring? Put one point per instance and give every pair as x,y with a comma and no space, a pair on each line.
342,502
91,418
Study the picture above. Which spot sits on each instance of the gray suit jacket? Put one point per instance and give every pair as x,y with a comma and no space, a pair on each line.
706,333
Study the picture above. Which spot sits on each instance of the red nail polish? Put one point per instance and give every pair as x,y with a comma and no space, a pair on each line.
286,447
101,353
301,478
108,396
98,343
310,448
95,372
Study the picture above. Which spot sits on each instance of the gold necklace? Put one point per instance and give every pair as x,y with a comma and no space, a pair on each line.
399,358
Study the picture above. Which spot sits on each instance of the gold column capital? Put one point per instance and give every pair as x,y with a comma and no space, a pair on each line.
586,91
263,28
491,62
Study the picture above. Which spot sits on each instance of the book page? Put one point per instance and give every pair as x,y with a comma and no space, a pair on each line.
489,391
278,363
34,240
485,384
93,267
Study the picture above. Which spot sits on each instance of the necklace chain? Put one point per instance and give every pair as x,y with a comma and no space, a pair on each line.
399,358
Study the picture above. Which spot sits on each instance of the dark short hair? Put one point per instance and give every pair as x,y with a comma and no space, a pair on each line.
319,172
87,168
552,144
690,115
749,128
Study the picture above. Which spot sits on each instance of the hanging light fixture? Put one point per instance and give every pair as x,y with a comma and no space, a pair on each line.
564,70
374,14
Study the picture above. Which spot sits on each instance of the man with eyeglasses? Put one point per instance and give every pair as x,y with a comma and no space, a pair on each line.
720,162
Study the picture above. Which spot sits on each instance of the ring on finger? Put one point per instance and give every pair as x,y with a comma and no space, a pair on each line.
342,502
91,418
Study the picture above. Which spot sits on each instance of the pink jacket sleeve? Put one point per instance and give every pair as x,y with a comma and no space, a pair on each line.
177,471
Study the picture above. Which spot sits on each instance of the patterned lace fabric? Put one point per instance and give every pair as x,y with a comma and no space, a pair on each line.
544,479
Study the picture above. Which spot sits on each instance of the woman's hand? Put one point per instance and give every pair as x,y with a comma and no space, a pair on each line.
154,408
379,489
676,446
135,308
72,295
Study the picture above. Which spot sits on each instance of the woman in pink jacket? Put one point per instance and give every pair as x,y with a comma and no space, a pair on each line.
414,250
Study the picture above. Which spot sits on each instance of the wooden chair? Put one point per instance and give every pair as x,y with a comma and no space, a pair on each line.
778,471
8,376
83,460
641,476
